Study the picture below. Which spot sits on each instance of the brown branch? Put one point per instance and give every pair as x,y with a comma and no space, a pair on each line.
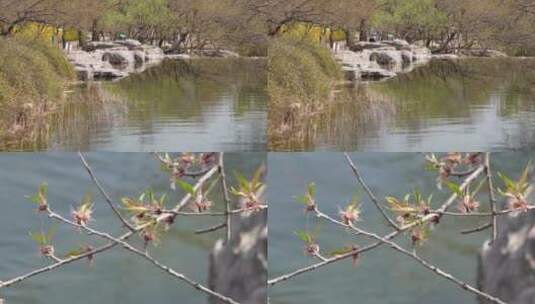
211,229
104,193
370,193
477,229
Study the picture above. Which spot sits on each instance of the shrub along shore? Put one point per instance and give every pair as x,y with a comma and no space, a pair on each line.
33,77
301,77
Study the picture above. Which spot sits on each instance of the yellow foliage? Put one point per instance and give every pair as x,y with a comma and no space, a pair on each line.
34,30
312,32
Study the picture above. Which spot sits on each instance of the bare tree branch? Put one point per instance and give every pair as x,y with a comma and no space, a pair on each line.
370,193
146,256
413,255
225,194
104,193
492,198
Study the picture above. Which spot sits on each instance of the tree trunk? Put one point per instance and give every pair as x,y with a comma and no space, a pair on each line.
350,37
363,34
94,31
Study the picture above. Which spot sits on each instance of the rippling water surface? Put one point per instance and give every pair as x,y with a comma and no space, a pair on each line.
383,275
198,105
116,276
464,105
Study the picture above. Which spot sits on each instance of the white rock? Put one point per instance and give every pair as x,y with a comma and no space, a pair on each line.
114,59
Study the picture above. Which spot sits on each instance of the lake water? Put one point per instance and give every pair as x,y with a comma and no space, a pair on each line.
383,275
197,105
464,105
116,276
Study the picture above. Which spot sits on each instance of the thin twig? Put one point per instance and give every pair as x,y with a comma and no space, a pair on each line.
413,255
328,261
125,236
62,262
192,174
215,213
104,193
485,214
391,235
370,193
477,229
225,194
187,197
445,206
492,198
211,229
146,256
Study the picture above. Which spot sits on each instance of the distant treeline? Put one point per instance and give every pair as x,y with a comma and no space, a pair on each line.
246,25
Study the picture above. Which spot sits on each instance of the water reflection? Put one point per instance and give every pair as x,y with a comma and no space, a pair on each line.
472,104
200,105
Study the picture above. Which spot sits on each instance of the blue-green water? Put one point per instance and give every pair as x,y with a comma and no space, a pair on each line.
383,275
116,276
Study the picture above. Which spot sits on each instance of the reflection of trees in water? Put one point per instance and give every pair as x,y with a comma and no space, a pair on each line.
176,91
353,111
442,93
453,89
187,89
90,105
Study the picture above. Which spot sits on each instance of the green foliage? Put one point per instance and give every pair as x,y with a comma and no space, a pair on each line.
245,187
42,238
515,188
308,199
411,208
40,197
187,187
31,70
147,201
140,14
300,70
407,16
308,237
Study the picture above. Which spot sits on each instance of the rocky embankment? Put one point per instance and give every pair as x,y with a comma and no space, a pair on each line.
238,269
386,59
113,59
120,58
507,267
380,60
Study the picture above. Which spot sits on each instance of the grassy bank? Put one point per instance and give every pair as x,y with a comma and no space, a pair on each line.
301,75
33,74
